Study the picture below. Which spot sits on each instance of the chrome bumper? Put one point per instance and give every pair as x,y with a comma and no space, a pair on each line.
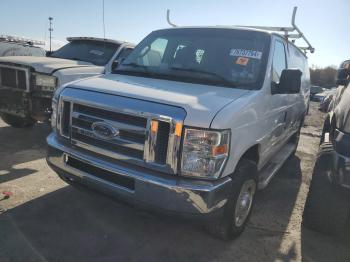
163,192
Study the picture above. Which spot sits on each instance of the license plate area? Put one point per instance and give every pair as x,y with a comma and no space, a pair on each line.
120,180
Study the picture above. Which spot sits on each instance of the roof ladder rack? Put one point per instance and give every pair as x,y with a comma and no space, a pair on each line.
22,40
291,33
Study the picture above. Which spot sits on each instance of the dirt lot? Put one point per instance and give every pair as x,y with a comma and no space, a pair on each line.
46,220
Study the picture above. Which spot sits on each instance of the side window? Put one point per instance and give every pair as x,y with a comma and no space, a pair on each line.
152,55
124,53
279,61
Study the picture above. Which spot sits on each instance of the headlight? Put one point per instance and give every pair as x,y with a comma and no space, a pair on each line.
204,153
54,114
45,82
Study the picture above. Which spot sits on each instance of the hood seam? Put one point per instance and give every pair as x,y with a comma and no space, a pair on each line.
211,122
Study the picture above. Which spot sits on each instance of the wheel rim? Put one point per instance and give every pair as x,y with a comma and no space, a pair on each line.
244,202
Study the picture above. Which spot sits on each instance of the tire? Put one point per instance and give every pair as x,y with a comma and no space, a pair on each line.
327,208
18,122
228,226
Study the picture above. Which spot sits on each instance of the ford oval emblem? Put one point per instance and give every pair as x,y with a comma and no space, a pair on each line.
104,130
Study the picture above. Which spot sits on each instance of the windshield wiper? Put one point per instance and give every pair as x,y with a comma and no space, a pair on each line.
193,70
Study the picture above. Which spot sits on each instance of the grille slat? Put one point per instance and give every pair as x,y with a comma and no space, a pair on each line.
13,78
107,146
130,135
162,142
117,141
110,115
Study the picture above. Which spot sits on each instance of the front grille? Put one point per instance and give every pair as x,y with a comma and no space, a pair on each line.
13,78
129,142
123,135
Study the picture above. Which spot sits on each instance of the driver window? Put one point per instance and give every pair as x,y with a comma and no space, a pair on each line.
124,53
153,54
279,61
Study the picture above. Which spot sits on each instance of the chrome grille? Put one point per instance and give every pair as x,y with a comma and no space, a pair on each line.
143,138
14,77
132,130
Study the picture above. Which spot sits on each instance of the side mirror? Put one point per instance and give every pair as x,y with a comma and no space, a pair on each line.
290,82
343,77
115,64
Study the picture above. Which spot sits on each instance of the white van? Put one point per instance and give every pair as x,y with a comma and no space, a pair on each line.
193,122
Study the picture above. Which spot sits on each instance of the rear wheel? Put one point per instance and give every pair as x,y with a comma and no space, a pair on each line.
16,121
240,202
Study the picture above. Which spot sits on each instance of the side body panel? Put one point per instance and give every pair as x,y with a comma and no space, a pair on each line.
263,119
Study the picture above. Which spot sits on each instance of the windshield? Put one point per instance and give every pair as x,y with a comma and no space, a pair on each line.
95,52
212,56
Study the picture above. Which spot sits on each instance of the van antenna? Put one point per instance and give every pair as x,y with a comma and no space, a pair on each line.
168,18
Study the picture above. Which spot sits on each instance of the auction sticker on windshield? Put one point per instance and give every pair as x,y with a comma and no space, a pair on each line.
243,61
246,53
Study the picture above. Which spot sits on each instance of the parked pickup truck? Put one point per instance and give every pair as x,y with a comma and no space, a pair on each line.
193,122
19,46
27,83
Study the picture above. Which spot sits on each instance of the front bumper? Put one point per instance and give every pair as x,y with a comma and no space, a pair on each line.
158,191
23,104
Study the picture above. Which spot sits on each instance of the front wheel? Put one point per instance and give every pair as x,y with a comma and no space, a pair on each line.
16,121
240,202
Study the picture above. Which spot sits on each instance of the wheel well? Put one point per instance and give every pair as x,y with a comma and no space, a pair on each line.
252,154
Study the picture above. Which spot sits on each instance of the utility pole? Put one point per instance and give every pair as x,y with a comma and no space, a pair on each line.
103,19
50,30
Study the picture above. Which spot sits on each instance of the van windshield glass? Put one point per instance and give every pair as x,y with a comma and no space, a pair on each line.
212,56
95,52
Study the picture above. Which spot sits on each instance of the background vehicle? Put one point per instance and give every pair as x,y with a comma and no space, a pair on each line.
327,207
326,99
193,122
28,83
343,76
314,91
18,46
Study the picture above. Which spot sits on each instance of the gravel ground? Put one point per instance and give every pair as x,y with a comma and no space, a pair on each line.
46,220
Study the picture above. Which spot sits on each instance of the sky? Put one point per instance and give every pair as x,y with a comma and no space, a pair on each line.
325,23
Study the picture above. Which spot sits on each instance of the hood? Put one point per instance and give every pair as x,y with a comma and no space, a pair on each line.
44,64
201,102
